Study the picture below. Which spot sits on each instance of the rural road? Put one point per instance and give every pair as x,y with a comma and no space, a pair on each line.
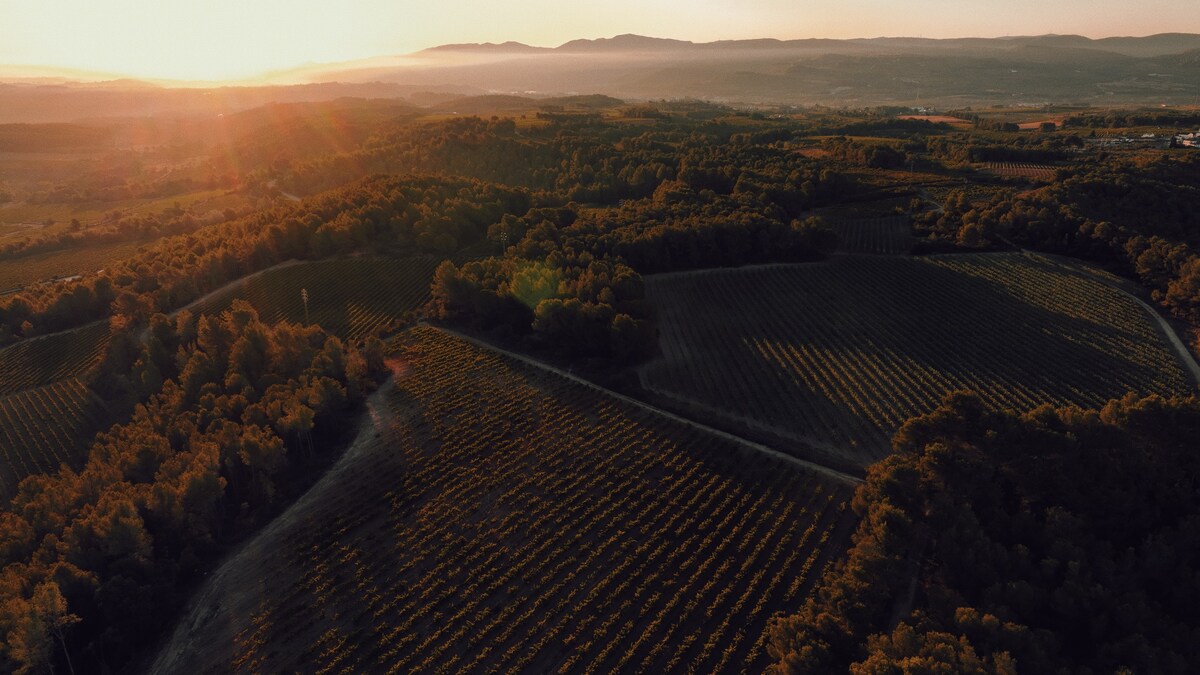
204,629
1181,350
758,447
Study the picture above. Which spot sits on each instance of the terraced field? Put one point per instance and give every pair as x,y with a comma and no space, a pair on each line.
349,297
44,427
40,361
494,517
839,354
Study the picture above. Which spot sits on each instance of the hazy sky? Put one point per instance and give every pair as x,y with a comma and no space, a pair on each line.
217,39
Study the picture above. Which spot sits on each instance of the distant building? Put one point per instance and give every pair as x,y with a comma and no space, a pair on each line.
1188,140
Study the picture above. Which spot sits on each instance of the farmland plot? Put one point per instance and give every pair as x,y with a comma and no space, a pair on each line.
45,427
1040,172
839,354
349,297
25,270
494,517
38,361
883,235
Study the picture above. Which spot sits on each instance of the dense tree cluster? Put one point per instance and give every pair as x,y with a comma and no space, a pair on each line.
582,159
95,560
572,276
1055,541
680,229
574,304
587,160
1142,218
973,148
424,213
870,155
1117,119
117,227
681,194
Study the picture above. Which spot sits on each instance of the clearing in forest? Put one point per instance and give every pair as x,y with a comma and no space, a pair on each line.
349,297
495,517
838,354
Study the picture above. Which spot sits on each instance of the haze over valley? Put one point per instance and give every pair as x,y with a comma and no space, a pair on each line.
413,337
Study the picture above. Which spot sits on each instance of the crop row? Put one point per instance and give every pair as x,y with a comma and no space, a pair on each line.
512,521
1038,171
349,297
22,271
40,361
43,428
883,235
844,352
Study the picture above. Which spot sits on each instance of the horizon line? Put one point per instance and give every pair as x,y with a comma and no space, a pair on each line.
76,75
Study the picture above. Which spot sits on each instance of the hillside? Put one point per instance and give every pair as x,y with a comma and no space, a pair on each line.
492,516
852,72
488,511
902,71
44,428
839,354
349,297
60,356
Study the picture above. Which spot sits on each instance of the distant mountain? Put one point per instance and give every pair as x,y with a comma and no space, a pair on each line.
76,102
1154,45
509,47
498,103
903,71
1019,70
625,43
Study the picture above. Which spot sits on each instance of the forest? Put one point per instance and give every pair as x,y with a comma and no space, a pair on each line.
1055,540
252,271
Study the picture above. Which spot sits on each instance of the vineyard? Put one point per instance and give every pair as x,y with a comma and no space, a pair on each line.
883,235
39,361
494,517
1021,170
840,354
25,270
349,297
44,427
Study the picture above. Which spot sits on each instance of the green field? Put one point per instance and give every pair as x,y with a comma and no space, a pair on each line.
45,427
39,361
839,354
494,517
349,297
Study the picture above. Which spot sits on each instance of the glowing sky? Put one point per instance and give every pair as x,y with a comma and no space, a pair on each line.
227,39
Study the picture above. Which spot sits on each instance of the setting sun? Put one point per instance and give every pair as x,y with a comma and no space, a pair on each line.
797,337
232,39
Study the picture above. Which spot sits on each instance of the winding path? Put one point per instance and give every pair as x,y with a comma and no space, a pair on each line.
1181,351
212,609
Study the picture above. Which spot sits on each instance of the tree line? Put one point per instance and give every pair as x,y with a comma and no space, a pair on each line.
417,213
97,562
1138,217
991,542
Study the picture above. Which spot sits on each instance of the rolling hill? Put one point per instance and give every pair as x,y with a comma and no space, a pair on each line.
494,516
837,355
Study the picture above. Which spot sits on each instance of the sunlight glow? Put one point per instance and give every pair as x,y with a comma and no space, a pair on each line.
234,39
